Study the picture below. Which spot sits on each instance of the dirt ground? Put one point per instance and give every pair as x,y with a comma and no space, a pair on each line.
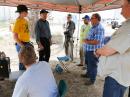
75,83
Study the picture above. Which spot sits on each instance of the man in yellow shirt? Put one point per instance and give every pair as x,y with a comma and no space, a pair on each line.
21,31
83,34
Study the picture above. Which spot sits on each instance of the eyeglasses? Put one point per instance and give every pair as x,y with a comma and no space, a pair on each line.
93,18
69,17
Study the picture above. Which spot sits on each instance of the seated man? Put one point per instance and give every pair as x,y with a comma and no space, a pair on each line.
37,80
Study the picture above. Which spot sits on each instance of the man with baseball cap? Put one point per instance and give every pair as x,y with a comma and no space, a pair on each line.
21,30
83,34
43,36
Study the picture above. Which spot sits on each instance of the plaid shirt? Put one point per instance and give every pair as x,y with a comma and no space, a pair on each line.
95,33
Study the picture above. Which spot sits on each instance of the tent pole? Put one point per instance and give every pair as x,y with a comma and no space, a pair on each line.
80,9
78,36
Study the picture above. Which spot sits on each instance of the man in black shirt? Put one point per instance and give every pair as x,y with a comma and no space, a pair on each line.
43,36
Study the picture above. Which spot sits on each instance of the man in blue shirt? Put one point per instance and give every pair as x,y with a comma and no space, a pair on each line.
94,41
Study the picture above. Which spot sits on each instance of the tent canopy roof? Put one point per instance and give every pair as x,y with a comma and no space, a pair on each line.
75,6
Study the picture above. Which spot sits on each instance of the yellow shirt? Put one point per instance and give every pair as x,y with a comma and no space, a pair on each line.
84,32
22,29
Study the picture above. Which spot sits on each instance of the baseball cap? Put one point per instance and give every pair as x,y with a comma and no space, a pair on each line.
86,17
69,15
43,11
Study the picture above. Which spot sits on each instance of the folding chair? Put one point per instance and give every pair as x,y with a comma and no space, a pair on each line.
64,62
62,87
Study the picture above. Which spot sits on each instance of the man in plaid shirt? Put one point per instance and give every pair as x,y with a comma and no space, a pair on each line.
94,41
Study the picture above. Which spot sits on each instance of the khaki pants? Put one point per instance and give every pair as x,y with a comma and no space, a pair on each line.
82,55
69,47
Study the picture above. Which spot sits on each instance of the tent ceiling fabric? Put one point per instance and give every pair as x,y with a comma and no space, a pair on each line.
75,6
69,2
63,2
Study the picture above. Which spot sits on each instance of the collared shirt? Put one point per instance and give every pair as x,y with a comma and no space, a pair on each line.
96,33
84,32
36,81
42,29
118,65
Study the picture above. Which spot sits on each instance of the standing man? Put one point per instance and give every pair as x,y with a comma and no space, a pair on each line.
70,27
21,30
94,41
83,34
116,55
43,36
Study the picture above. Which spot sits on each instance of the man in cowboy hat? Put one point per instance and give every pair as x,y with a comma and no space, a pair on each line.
21,30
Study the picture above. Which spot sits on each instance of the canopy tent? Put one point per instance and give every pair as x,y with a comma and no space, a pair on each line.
75,6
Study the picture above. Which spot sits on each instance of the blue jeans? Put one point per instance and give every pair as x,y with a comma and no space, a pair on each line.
112,88
91,60
21,66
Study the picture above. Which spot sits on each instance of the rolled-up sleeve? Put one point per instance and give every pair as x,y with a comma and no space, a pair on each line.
120,42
